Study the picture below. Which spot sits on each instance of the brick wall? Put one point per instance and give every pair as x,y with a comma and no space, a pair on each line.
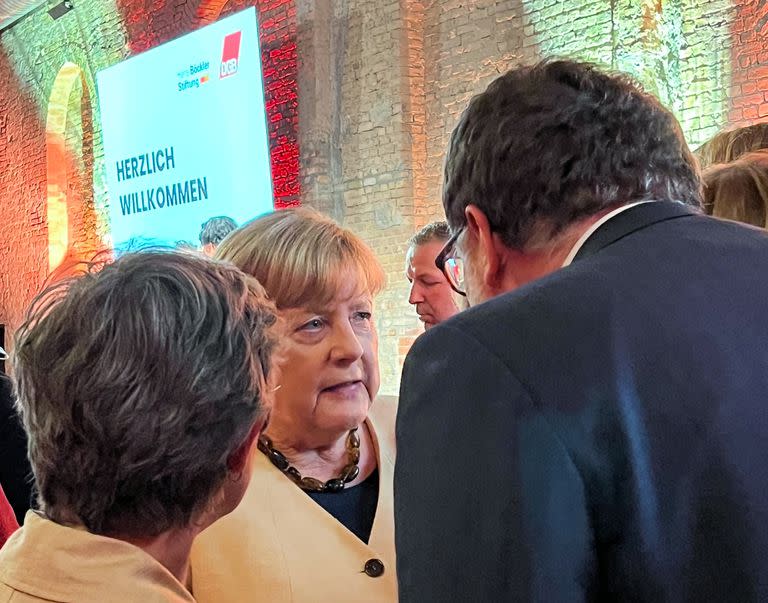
748,92
362,96
50,148
23,230
357,140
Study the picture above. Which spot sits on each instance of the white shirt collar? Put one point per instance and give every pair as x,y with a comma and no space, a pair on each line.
588,233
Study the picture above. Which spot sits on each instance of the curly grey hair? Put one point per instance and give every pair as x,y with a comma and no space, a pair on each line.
136,383
214,231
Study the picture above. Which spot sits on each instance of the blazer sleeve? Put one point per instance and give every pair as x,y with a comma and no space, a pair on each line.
489,505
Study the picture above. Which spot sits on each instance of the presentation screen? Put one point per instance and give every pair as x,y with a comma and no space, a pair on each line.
185,136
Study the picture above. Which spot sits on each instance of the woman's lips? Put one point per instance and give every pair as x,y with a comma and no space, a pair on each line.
344,389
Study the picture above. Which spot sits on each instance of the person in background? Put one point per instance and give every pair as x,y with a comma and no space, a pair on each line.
142,387
317,522
430,293
213,232
186,246
15,470
594,427
729,145
8,523
738,190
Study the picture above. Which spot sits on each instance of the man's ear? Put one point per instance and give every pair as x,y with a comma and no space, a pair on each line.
239,457
488,243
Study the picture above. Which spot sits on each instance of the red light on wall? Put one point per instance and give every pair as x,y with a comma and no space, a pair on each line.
147,27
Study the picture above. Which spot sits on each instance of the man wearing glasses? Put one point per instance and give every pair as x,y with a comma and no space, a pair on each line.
595,427
431,293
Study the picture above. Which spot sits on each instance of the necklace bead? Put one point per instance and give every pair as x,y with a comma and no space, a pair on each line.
348,474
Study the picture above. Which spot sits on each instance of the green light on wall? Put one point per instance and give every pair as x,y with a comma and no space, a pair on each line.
678,50
55,61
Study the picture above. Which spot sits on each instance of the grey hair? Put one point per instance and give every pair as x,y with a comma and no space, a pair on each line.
214,231
136,383
434,231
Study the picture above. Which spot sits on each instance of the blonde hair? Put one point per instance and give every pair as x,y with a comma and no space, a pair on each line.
301,257
729,145
739,190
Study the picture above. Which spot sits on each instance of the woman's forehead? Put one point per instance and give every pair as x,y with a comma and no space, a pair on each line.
346,287
343,300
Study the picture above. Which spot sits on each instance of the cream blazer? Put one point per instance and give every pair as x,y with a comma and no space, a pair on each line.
45,562
280,546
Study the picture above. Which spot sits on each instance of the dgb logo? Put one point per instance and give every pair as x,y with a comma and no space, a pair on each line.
228,68
230,55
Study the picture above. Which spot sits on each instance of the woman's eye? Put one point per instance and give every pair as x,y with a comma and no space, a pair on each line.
312,325
362,316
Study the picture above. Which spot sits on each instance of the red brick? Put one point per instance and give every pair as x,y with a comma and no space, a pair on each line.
750,112
748,99
748,87
759,69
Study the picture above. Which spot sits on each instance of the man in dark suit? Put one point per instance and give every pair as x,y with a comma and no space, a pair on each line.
597,428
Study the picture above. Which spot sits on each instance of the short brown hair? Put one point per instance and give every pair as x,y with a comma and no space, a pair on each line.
739,190
136,383
301,257
434,231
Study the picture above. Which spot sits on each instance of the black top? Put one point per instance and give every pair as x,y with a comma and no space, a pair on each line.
354,507
15,471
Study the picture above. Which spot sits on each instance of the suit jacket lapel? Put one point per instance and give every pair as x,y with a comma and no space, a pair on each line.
632,220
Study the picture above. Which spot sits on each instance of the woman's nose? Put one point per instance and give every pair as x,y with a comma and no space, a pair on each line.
346,346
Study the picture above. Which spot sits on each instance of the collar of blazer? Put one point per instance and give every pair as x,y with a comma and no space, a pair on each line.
634,219
282,492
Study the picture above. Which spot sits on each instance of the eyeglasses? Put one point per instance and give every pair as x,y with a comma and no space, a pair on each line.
451,265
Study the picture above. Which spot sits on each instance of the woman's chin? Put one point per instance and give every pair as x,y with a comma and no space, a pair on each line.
342,422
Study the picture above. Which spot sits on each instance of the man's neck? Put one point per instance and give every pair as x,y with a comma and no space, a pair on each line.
531,265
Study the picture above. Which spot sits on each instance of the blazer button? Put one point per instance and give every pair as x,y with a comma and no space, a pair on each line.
374,568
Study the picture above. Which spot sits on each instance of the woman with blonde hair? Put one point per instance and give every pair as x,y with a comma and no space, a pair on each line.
738,190
729,145
316,523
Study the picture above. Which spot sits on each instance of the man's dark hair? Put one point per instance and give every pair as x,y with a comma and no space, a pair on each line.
549,144
214,230
434,231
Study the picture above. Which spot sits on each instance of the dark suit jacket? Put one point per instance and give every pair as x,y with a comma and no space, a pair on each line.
15,471
600,434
